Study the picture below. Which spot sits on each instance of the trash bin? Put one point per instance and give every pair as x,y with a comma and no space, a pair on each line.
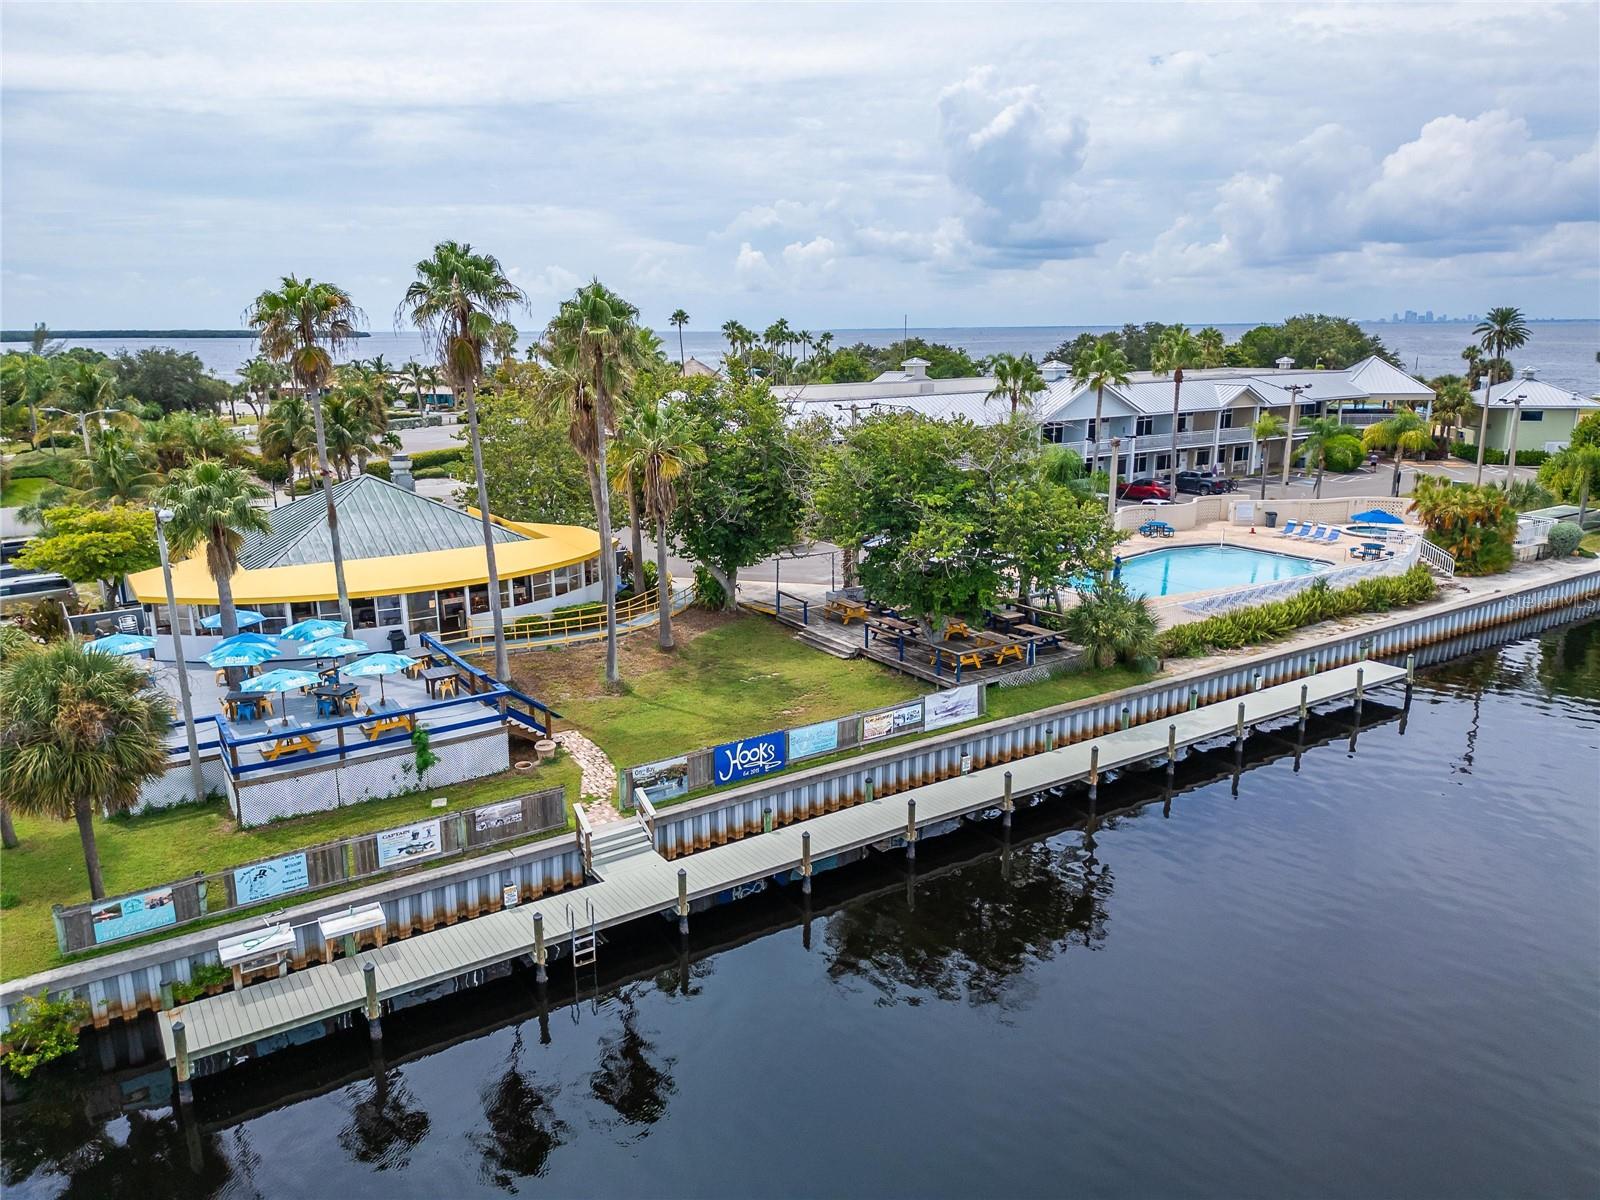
397,640
1272,519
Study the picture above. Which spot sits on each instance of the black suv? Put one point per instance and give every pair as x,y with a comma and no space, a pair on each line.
1202,484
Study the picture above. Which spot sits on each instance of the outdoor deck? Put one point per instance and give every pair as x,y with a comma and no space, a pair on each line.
638,882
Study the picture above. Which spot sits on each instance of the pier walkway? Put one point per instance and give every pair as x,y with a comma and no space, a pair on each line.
634,881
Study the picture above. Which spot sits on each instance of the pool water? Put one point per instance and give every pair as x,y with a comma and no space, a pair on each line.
1204,568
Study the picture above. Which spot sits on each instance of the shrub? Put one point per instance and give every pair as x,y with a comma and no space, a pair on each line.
1268,622
1345,454
1497,458
708,593
432,473
1113,625
1475,524
9,900
540,624
44,1031
201,979
40,464
1526,495
423,459
379,467
1564,538
272,470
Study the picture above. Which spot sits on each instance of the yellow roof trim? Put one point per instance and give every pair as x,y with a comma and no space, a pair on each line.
551,546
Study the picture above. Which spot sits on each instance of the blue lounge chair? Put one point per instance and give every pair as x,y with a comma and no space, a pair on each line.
1333,536
1290,529
1312,533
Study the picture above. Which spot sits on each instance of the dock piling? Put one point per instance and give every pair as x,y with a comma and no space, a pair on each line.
683,902
911,828
374,1012
180,1050
766,819
1238,727
1302,715
1006,803
1172,752
540,975
1094,773
805,862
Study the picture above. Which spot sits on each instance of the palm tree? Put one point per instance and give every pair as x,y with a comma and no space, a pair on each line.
80,732
457,300
213,505
1402,432
1322,432
302,325
503,339
1016,380
261,378
655,447
1452,402
30,379
1268,426
411,375
778,335
287,432
1102,365
1473,357
1501,330
823,342
679,319
119,468
1175,350
592,347
1212,346
1573,474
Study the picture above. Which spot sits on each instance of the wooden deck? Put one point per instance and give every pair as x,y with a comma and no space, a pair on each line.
637,882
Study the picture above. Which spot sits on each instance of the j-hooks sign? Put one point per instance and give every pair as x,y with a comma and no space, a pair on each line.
749,757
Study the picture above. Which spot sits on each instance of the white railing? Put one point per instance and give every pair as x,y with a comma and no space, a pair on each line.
1531,531
1440,559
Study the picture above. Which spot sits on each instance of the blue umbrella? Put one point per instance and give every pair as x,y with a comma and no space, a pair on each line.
1376,516
312,628
248,654
247,639
283,679
246,616
333,647
380,665
122,643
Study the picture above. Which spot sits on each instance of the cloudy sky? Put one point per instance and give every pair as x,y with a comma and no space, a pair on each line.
841,165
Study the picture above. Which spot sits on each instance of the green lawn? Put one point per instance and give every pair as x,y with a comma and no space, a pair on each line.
25,491
1062,689
742,676
144,851
1591,542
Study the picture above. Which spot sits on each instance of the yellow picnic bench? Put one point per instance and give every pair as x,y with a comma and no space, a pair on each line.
958,629
953,658
383,724
291,743
846,610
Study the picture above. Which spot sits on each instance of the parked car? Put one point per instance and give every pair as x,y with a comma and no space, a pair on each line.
1203,484
1143,488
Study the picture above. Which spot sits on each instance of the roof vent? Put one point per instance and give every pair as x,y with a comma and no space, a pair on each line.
1529,372
1285,363
1053,369
915,368
400,472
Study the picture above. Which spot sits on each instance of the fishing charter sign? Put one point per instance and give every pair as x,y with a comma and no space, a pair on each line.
749,757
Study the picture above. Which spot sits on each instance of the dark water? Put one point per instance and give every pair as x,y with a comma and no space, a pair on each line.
1562,351
1378,976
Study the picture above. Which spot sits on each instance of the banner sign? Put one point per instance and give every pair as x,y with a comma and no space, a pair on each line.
133,914
409,843
877,726
951,707
663,780
493,816
748,758
813,739
266,880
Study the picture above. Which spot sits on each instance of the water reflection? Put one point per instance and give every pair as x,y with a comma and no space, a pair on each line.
386,1122
523,1129
629,1079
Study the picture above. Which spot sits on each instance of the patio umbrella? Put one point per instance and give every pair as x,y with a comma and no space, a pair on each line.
1376,516
312,628
246,616
121,643
247,639
380,665
283,679
246,654
333,647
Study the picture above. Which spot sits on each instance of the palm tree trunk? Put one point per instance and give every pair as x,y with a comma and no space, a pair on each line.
345,614
83,809
636,519
8,831
663,587
682,361
502,661
1583,499
1399,457
608,558
1094,450
1177,384
230,620
1322,466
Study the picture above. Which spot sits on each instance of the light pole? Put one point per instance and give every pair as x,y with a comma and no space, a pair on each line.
1516,420
197,778
1483,426
1294,390
83,422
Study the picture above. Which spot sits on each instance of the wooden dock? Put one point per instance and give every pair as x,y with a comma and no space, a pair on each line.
634,881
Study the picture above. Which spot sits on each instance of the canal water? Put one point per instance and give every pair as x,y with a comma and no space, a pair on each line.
1376,974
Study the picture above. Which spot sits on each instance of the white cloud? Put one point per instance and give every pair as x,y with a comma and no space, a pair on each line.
751,268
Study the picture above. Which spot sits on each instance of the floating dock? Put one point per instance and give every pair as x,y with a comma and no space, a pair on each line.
633,881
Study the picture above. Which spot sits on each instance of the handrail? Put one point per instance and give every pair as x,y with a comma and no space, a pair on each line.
1438,558
585,838
632,607
646,812
593,624
433,645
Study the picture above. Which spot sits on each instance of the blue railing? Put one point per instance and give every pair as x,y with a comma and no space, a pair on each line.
541,718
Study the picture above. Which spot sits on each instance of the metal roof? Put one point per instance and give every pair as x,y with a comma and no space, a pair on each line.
376,520
1537,393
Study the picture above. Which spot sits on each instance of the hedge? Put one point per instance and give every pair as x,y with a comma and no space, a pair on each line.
378,467
40,464
1497,458
539,624
423,459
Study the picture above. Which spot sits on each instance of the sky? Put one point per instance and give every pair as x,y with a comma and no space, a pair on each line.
843,166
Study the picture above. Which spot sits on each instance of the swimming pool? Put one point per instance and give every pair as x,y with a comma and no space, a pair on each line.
1204,568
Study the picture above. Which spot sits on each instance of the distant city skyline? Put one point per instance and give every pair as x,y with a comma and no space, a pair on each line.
841,166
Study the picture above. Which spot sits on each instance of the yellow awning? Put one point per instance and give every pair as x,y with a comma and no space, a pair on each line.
550,546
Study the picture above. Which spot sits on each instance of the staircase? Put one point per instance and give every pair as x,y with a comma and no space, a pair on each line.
620,839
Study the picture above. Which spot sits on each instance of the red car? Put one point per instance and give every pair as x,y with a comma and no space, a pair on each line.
1142,489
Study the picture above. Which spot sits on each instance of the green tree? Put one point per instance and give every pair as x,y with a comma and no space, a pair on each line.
1176,351
80,732
160,378
1212,346
1573,474
1312,340
1113,625
1402,433
119,467
656,448
679,319
1452,403
263,382
459,301
1475,523
1324,436
532,471
1017,381
592,351
1267,427
288,434
302,325
745,503
99,544
213,506
27,380
1103,365
1502,330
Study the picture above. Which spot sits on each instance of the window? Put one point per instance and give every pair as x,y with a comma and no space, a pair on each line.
1202,458
1089,433
1163,462
559,575
423,608
365,612
1183,422
1241,454
1055,433
521,590
591,570
541,585
1533,414
1143,426
158,618
1141,464
478,599
389,613
505,593
575,577
1225,419
328,610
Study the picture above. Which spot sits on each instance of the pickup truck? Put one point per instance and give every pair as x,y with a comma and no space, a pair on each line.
1201,484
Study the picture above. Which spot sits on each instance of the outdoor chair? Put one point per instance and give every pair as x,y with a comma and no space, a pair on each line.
1290,529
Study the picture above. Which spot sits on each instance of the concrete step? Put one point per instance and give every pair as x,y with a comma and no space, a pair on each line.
828,645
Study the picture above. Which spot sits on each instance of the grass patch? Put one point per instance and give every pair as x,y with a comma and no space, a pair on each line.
160,847
20,492
1061,689
731,677
1591,542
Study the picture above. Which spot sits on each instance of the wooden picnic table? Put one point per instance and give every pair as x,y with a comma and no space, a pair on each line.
845,611
1007,618
336,698
1038,633
957,629
257,701
419,664
386,723
297,741
1004,647
894,626
441,681
956,656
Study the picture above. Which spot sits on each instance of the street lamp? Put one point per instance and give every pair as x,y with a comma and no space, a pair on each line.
1516,420
83,421
197,778
1294,390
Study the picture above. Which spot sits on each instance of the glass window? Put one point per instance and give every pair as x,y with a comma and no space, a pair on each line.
1225,419
542,587
591,570
365,612
388,610
299,612
1163,461
1141,464
328,610
423,612
452,611
521,590
505,593
1241,453
1143,426
479,598
560,577
1533,414
1202,458
1183,422
158,618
